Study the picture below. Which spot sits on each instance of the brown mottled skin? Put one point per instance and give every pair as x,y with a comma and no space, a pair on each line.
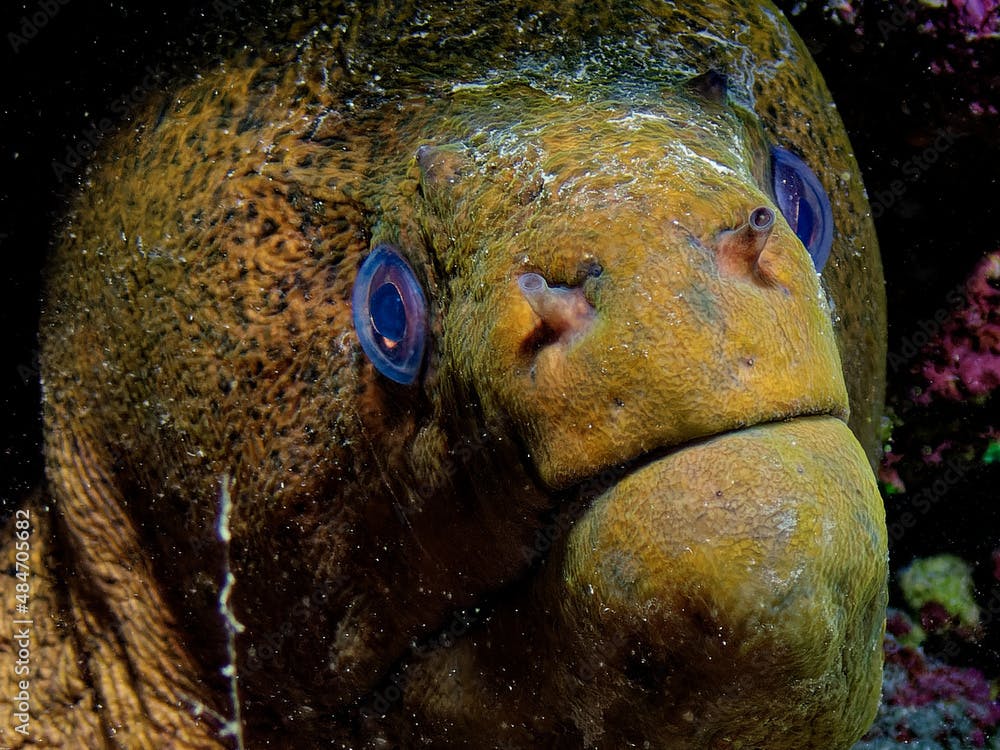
660,531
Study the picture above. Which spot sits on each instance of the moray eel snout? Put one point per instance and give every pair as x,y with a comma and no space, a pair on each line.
642,300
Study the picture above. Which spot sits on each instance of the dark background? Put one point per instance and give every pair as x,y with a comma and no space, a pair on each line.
68,65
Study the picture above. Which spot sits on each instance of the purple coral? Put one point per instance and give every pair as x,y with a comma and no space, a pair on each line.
964,361
926,700
972,18
978,17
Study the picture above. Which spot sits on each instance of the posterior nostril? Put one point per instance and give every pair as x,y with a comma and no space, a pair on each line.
564,311
762,219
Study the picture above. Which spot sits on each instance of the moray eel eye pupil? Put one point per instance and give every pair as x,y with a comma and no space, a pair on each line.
390,314
803,203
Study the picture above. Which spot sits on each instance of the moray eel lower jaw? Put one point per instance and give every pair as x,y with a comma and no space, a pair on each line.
727,618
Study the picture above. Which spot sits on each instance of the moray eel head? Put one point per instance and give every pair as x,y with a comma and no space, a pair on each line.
497,339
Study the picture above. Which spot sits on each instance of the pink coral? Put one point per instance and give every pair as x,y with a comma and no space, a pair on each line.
978,17
888,473
964,361
926,702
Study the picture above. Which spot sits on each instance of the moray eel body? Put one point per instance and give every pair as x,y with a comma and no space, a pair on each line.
481,348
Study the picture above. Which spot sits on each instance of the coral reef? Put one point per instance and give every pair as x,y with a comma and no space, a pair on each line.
942,456
964,361
928,704
954,41
939,479
974,19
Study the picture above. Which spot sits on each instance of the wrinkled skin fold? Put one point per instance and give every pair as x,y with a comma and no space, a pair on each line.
632,504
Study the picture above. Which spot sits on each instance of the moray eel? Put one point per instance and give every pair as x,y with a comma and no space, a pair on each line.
502,375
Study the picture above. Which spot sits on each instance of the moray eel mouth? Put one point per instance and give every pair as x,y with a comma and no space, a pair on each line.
592,487
714,566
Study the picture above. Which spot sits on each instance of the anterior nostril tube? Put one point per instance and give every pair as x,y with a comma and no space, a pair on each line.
758,229
564,310
531,284
739,249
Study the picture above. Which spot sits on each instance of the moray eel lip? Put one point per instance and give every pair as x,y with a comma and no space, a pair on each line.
590,488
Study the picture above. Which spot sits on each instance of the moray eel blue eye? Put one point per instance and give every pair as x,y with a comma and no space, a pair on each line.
390,314
804,204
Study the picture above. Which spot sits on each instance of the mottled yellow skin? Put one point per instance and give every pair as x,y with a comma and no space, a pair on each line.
663,530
